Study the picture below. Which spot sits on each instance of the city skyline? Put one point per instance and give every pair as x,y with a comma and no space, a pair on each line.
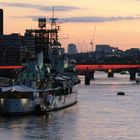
116,21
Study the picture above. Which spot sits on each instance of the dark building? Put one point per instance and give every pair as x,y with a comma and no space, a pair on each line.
104,49
29,44
1,21
72,49
11,49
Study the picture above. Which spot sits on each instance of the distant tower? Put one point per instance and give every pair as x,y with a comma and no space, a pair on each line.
72,49
1,21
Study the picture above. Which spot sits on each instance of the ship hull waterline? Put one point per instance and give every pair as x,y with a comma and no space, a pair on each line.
27,106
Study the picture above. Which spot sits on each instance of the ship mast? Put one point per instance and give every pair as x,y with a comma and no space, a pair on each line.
53,20
54,31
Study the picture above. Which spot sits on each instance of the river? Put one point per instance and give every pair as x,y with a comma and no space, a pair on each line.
100,114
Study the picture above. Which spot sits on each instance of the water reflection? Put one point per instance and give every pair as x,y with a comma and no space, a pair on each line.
99,115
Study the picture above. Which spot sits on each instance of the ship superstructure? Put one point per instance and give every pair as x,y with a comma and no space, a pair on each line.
44,84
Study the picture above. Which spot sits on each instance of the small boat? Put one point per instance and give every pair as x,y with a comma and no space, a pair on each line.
43,84
138,80
121,93
124,72
138,73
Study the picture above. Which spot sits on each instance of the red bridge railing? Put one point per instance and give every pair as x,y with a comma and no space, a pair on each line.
12,67
93,67
89,66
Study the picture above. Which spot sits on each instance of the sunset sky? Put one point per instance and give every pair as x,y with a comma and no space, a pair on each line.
114,22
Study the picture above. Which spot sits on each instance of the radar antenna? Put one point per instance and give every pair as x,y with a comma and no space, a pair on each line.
54,31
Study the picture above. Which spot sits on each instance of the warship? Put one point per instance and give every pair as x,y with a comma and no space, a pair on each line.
46,82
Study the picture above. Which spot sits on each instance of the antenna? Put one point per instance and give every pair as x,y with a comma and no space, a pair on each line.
53,19
53,12
54,31
92,40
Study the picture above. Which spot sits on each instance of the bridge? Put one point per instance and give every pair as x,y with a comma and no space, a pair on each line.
12,67
89,69
94,67
110,68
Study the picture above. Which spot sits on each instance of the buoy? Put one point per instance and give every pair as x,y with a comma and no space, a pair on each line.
121,93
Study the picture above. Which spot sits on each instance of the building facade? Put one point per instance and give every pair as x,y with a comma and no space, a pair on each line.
1,22
11,49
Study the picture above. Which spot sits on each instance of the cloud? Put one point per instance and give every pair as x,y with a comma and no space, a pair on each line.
39,7
87,18
101,19
67,8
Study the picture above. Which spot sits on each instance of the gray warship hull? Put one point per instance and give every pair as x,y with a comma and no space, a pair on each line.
44,104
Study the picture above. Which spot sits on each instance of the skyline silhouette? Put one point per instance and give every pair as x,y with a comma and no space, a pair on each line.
117,21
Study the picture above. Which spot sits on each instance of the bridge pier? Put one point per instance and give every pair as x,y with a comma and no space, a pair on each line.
110,73
132,74
87,78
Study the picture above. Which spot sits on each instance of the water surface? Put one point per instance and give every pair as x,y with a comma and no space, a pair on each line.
99,115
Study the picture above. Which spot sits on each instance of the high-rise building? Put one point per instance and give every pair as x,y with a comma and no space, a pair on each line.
72,49
1,21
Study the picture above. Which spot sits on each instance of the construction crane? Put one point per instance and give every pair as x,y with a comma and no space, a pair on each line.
93,39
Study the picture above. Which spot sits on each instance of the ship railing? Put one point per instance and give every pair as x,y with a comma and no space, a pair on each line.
4,81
